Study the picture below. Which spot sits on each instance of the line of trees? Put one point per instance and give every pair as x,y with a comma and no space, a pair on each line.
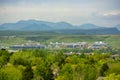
48,64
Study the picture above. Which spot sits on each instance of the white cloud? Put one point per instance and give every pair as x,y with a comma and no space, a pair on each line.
45,12
74,11
111,13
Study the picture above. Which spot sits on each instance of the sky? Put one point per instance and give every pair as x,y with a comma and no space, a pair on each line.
77,12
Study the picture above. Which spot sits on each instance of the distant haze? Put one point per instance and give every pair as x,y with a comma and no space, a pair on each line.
98,12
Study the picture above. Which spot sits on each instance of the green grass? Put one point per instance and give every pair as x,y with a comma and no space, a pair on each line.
11,41
112,40
46,38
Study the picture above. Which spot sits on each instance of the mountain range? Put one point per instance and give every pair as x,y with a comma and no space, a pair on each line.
35,25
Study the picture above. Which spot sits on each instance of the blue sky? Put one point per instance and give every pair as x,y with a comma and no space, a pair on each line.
99,12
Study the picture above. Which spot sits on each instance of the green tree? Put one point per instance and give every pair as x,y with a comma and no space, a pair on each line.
89,72
43,71
20,58
4,57
67,72
114,67
27,74
103,69
112,76
10,73
39,53
60,58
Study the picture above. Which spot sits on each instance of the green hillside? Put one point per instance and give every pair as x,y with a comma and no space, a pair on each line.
14,37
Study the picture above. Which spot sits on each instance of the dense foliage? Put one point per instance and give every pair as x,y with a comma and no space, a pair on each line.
55,64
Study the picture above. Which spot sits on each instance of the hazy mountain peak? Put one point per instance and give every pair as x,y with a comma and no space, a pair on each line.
89,26
118,26
45,25
62,22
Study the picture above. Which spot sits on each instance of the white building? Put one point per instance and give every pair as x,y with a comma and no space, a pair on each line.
28,45
69,45
99,45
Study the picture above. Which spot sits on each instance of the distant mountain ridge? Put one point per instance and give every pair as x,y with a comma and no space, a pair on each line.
90,31
36,25
31,24
118,27
88,26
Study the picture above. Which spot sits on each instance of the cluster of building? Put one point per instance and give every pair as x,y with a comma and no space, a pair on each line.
80,45
28,45
98,45
69,45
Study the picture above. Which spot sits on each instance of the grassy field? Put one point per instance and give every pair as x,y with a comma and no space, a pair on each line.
5,41
46,38
112,40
